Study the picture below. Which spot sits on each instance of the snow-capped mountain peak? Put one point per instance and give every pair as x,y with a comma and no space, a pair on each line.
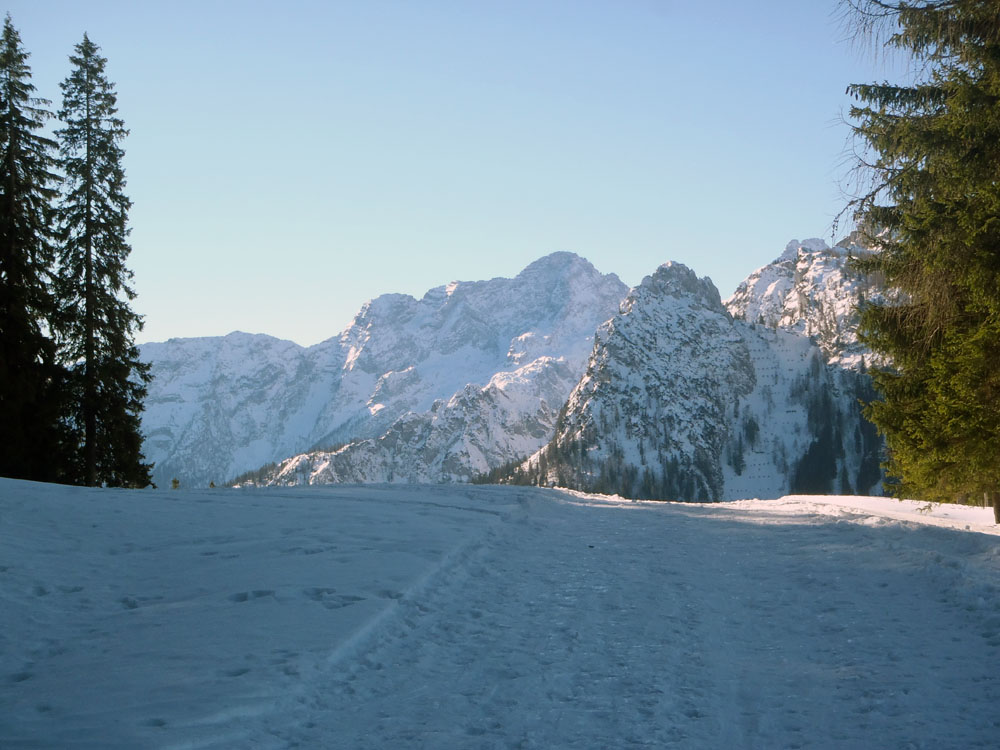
811,245
221,406
676,280
810,289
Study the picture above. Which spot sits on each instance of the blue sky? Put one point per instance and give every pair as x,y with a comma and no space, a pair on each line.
289,161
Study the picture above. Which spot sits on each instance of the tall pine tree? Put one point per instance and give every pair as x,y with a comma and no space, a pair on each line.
98,324
934,207
30,379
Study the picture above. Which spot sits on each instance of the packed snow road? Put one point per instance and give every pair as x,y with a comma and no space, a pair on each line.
466,617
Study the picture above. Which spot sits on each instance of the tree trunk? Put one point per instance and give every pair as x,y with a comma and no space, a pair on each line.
89,380
995,502
90,355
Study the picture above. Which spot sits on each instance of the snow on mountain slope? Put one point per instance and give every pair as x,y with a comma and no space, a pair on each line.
811,290
470,433
457,616
800,429
221,406
682,401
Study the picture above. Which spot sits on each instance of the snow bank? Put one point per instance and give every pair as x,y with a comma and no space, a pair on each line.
880,509
863,510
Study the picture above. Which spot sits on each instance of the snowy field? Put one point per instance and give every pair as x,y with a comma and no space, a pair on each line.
492,617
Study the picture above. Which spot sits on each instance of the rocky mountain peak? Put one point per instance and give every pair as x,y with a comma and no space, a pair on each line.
680,282
813,290
794,247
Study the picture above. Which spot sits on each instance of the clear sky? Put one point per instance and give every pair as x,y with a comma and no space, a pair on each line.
290,160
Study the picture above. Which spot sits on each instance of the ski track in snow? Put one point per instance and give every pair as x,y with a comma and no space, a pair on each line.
652,627
461,617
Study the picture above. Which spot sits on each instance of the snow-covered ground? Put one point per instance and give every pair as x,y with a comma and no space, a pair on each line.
492,617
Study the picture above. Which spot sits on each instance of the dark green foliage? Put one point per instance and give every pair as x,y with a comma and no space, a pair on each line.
567,464
815,471
69,372
751,430
738,461
822,469
96,323
869,443
508,473
31,382
934,207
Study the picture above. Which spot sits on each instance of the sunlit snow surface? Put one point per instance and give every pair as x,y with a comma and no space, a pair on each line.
492,617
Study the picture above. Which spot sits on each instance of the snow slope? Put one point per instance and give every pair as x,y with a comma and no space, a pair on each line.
487,617
218,407
475,430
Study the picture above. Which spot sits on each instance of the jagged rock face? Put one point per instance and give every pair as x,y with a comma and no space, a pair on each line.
654,402
681,401
811,290
221,406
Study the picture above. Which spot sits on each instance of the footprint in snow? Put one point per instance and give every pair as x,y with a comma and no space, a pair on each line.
329,598
245,596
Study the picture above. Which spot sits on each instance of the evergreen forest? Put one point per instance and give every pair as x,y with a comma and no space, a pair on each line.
71,383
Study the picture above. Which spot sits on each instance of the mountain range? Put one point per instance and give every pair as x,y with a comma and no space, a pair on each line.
444,387
561,375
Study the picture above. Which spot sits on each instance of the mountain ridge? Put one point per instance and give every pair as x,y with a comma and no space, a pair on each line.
732,398
219,406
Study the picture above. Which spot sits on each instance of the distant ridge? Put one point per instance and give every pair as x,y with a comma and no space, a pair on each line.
220,406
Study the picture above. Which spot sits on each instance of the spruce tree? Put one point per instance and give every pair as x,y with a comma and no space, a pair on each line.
30,380
98,323
932,151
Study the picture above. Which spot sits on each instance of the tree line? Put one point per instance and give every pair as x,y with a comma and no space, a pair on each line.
71,382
